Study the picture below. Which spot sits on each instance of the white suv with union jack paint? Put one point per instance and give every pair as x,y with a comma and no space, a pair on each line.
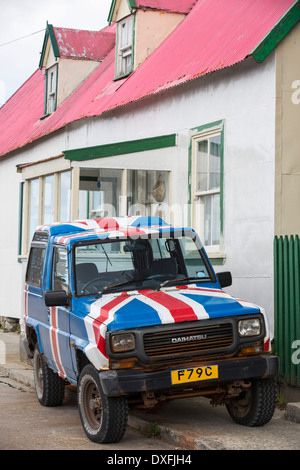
131,311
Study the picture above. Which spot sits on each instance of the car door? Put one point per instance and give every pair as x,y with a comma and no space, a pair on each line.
59,322
35,309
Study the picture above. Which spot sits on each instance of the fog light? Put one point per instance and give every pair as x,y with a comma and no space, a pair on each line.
249,327
122,342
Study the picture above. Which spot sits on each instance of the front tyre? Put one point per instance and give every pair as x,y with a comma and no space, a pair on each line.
49,386
104,419
255,406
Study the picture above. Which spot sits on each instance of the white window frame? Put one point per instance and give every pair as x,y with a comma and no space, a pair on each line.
125,49
40,171
51,89
57,167
198,197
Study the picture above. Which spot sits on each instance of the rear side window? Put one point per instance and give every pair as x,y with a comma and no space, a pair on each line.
35,266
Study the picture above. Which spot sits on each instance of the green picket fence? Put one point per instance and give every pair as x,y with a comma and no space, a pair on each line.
287,306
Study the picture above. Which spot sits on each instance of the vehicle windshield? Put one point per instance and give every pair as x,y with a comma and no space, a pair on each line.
137,264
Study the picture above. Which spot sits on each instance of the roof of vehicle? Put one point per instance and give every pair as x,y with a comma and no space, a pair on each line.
104,227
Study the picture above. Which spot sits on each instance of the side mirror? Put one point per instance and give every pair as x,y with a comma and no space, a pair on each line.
56,298
224,279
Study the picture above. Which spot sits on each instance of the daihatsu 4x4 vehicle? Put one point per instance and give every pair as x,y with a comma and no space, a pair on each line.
131,311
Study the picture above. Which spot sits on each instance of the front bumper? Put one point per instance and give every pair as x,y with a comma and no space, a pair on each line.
125,382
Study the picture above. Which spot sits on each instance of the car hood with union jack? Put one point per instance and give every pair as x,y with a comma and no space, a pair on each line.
136,309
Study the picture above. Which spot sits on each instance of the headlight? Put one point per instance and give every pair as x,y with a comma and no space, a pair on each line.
122,342
250,327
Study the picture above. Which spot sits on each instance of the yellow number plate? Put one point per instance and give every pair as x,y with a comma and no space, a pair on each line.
194,374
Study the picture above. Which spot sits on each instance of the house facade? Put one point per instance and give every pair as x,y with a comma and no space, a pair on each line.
197,124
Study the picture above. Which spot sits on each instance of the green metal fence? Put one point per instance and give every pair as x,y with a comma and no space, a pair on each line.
287,306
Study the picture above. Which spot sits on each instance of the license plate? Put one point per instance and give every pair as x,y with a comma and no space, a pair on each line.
194,374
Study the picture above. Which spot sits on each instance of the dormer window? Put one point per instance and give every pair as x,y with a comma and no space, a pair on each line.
51,90
68,57
125,47
142,25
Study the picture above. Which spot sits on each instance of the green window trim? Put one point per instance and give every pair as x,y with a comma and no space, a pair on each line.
280,30
117,75
131,3
121,148
111,11
20,224
217,261
45,96
193,133
49,33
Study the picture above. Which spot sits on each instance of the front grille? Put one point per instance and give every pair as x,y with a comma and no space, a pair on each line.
201,340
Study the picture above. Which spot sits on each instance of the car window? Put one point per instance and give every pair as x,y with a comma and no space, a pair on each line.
137,263
35,266
60,280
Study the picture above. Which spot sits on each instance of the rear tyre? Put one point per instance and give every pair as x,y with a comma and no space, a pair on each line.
104,419
255,406
49,386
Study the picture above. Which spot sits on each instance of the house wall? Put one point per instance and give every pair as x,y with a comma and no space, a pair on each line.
287,197
249,149
49,59
151,28
71,74
244,98
12,268
121,10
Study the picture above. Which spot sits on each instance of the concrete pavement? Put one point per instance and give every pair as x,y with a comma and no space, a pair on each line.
187,423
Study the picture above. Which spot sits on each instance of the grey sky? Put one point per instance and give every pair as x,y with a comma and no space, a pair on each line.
18,18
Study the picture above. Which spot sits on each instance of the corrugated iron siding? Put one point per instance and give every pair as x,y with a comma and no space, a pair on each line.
82,44
287,306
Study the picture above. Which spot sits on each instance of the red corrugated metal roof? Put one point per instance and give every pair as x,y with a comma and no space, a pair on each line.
177,6
215,35
83,44
19,116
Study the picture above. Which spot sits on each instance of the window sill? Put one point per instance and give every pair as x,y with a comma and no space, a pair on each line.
44,117
122,76
22,258
216,259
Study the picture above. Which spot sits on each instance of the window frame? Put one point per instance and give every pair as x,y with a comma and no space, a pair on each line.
51,94
197,135
59,193
31,228
50,181
122,52
26,235
41,247
55,249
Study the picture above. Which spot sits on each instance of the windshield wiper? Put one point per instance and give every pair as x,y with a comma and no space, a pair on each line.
183,279
112,286
108,260
163,284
